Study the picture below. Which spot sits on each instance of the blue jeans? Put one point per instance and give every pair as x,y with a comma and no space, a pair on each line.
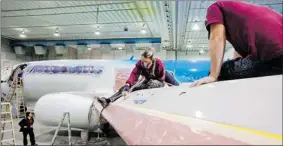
169,78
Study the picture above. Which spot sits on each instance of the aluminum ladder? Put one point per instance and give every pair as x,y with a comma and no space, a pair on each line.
21,110
59,126
7,112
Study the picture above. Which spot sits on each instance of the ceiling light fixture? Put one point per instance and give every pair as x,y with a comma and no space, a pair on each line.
189,45
57,32
201,51
97,28
143,29
88,47
22,35
195,25
97,31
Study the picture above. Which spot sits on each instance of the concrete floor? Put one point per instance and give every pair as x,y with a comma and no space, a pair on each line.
44,134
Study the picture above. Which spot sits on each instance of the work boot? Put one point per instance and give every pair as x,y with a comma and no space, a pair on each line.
103,101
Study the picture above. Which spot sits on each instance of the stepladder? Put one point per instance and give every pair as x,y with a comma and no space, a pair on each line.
65,114
21,109
15,96
7,125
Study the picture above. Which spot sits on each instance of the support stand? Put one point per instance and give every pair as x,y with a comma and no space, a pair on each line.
59,126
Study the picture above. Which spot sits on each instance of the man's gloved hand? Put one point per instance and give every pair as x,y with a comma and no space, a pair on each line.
126,89
103,101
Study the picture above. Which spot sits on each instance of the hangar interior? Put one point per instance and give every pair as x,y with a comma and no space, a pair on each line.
178,24
104,30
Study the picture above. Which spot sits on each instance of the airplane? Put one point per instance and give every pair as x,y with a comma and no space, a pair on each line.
103,77
39,77
59,86
226,112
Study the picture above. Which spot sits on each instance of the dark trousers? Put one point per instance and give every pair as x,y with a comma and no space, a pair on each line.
29,132
170,78
147,84
240,68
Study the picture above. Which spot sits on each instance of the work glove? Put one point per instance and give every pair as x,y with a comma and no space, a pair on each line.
126,89
103,101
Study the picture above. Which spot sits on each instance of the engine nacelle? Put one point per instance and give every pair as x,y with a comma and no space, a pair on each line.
49,110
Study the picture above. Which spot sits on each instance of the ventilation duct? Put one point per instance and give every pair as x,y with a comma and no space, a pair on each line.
19,50
39,50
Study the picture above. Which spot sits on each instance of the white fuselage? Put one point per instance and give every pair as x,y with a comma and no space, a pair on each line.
43,77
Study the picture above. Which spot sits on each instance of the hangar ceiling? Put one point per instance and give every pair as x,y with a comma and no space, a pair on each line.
180,24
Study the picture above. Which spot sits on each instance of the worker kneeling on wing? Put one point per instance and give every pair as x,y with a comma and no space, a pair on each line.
150,68
254,31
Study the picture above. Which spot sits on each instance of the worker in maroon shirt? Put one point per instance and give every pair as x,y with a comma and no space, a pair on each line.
149,67
256,34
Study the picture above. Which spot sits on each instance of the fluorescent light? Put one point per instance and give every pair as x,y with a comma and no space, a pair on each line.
120,48
143,31
23,35
195,27
97,32
193,69
189,45
56,34
201,51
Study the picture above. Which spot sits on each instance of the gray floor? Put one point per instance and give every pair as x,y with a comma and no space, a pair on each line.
43,136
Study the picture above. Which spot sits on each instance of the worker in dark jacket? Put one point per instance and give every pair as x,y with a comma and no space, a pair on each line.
26,125
149,67
254,31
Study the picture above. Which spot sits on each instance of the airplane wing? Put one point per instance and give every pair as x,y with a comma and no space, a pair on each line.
220,115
